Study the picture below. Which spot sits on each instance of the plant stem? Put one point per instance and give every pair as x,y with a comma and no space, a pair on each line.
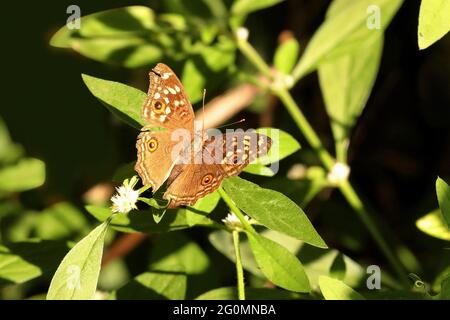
234,209
328,161
239,269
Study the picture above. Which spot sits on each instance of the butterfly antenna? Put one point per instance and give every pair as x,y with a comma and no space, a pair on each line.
233,123
203,118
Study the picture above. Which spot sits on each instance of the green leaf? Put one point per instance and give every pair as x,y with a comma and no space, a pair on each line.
194,78
272,209
283,145
142,221
169,283
434,225
445,289
279,265
318,262
123,101
333,289
434,21
28,173
346,82
259,169
125,36
176,248
286,56
129,52
345,25
9,151
23,261
244,7
206,204
230,293
77,275
443,194
62,220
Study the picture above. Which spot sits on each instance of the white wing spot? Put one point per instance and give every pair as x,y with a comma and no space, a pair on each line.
157,95
177,89
166,92
177,103
166,99
159,88
167,110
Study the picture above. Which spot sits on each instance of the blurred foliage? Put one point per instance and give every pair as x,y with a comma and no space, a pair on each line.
384,110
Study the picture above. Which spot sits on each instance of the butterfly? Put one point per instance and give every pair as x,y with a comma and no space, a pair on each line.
195,166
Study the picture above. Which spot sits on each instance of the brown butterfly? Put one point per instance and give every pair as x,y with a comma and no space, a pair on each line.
196,166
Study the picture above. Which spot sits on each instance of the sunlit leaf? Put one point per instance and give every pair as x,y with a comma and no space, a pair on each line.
142,221
338,33
230,293
123,101
333,289
168,283
272,209
279,265
346,82
443,194
286,55
23,261
433,225
28,173
243,7
77,275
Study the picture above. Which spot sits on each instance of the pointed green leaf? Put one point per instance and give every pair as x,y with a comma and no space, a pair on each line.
28,173
23,261
347,23
333,289
142,221
286,56
434,225
434,21
272,209
230,293
115,22
346,83
169,283
279,265
443,194
123,101
243,7
283,145
77,275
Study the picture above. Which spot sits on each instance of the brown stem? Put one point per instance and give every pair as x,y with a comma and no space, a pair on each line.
122,246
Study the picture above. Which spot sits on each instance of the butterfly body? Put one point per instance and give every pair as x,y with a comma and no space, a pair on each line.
170,149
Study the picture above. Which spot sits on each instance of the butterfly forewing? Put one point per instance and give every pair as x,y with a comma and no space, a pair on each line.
166,104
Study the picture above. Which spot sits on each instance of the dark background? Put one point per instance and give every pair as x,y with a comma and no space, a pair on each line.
399,146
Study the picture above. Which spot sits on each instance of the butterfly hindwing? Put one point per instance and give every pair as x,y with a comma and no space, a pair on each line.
154,157
192,182
223,156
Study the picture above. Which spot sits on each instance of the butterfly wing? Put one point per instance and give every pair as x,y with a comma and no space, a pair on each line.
223,156
156,155
166,104
166,107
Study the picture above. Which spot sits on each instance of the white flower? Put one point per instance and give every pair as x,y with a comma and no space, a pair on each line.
126,197
233,222
339,173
